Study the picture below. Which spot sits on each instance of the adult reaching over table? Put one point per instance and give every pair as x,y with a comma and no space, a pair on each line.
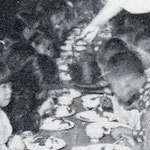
111,9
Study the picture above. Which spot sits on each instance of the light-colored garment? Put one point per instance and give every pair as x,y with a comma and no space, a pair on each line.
131,117
5,128
134,6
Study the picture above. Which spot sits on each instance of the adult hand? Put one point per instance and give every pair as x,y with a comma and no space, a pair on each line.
89,33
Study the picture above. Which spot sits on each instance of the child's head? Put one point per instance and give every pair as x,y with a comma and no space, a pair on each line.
110,48
125,73
5,90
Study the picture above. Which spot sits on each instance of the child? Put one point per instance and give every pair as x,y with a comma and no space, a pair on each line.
32,75
125,73
110,48
5,126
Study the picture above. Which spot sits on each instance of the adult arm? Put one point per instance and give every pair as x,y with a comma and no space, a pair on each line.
110,10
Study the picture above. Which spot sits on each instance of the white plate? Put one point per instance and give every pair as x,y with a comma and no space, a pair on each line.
109,115
67,47
67,115
90,97
56,146
74,93
65,76
51,143
80,48
102,147
55,124
90,116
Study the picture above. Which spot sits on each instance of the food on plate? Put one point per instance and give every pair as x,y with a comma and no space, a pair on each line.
65,76
90,116
74,93
69,41
16,143
95,134
66,54
65,100
80,48
80,42
109,115
3,147
97,130
63,67
69,93
90,102
118,132
67,47
54,143
37,142
63,111
27,134
55,124
102,147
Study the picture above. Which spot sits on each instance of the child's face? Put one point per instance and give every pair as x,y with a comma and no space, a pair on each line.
5,94
127,87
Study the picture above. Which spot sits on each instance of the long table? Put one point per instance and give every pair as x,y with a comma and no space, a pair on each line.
77,135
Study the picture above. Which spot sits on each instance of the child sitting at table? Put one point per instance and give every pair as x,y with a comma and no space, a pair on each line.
32,76
130,84
110,48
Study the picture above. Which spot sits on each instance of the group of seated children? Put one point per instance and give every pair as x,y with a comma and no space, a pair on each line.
25,89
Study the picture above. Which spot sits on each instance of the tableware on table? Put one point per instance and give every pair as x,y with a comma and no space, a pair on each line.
90,116
52,143
56,124
74,93
80,48
69,41
95,134
67,47
109,115
65,76
71,93
63,67
63,111
65,100
90,102
16,143
97,130
37,142
102,147
66,54
65,92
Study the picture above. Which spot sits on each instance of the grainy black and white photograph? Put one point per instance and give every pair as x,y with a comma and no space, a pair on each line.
74,74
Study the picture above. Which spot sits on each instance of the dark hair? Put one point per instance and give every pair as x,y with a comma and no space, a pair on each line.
30,85
110,48
19,55
125,63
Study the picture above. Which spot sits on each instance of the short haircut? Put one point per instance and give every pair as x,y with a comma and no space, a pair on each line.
110,48
125,63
